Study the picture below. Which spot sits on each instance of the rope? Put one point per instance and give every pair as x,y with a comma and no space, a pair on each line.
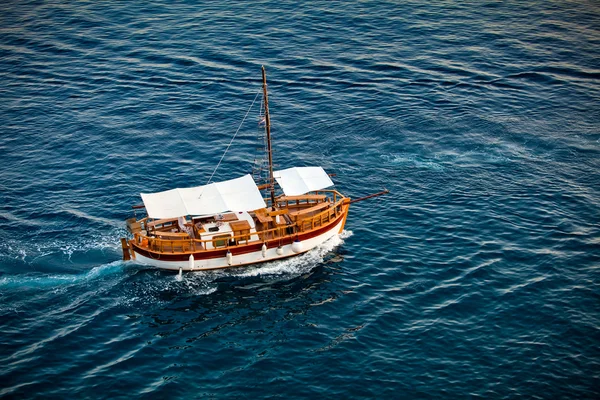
232,139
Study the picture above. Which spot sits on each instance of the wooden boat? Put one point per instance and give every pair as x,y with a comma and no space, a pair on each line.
230,223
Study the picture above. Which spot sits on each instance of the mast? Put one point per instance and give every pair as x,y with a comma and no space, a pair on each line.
268,130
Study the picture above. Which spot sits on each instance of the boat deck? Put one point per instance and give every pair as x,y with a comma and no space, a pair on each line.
291,216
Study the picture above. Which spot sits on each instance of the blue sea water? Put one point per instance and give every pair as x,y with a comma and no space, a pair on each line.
477,277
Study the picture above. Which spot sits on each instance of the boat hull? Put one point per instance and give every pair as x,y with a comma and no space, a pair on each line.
241,255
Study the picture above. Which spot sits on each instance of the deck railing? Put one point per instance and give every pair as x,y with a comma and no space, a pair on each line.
282,231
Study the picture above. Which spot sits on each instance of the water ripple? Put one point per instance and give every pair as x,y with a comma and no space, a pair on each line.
477,275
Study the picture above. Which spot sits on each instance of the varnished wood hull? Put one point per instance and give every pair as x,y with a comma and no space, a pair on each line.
241,255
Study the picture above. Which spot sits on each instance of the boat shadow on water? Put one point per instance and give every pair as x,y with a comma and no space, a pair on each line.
209,302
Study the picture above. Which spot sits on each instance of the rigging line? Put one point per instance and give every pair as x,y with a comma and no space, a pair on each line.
236,132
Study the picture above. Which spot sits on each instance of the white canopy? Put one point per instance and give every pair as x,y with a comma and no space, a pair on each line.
240,194
301,180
